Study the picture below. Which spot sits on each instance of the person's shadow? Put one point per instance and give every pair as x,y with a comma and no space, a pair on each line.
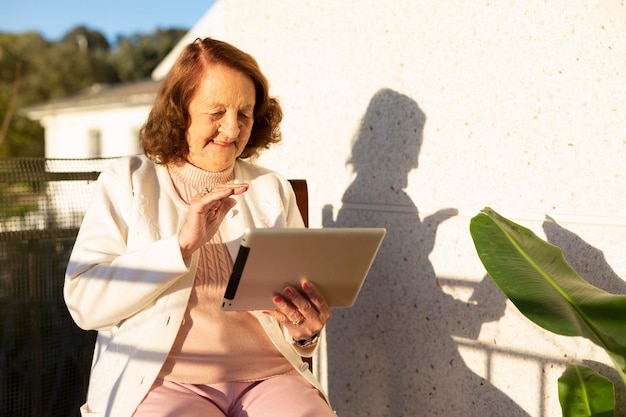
392,353
591,264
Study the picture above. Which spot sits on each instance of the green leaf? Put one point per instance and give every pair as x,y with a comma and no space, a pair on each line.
585,393
535,276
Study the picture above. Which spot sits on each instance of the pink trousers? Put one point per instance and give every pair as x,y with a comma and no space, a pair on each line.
282,396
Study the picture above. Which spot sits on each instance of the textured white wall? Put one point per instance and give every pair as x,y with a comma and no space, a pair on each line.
414,116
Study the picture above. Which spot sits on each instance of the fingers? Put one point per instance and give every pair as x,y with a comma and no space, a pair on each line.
223,191
309,303
206,212
215,200
304,312
315,297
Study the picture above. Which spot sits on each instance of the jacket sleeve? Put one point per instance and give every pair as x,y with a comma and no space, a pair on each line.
106,281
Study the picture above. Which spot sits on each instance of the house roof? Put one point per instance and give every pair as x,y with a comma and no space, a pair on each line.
99,96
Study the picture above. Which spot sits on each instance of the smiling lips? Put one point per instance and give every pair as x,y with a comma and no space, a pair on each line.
222,144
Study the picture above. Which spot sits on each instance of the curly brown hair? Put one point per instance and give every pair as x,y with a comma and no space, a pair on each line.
163,136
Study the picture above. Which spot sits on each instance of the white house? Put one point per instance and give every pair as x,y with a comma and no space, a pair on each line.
414,115
101,122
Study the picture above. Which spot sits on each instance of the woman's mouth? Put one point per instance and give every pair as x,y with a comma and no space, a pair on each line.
221,144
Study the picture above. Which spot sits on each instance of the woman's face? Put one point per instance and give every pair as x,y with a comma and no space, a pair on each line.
221,117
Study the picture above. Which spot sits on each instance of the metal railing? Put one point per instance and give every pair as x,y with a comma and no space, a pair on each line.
44,357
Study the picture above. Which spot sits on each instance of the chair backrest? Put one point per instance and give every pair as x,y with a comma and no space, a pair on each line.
301,190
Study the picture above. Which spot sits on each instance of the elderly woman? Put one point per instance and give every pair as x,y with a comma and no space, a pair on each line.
156,247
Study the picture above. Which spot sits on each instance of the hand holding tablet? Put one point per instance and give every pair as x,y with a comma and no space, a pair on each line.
336,260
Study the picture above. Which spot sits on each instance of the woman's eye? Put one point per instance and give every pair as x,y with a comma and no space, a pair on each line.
214,113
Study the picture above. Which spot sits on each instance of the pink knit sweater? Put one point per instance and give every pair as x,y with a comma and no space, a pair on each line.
212,345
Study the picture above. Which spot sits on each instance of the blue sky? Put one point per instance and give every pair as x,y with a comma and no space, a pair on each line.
54,18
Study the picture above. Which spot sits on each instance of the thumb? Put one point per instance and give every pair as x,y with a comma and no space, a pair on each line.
228,203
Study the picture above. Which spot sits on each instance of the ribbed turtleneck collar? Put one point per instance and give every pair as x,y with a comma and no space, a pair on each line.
191,180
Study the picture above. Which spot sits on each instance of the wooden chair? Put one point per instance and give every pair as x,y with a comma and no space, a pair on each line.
301,190
302,198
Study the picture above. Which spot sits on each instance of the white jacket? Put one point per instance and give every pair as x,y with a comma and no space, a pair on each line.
126,277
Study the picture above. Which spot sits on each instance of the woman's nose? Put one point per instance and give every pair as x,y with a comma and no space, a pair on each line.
230,126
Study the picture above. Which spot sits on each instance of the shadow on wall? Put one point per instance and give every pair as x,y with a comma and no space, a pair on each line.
591,264
392,353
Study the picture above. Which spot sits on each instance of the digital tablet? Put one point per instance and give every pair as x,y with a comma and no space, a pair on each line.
336,260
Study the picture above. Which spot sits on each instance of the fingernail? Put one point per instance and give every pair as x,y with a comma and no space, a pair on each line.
277,299
306,285
288,291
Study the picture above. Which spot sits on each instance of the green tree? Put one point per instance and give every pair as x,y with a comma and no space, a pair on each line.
137,55
19,87
34,70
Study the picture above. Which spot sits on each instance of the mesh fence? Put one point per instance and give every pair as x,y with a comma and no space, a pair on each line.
44,356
